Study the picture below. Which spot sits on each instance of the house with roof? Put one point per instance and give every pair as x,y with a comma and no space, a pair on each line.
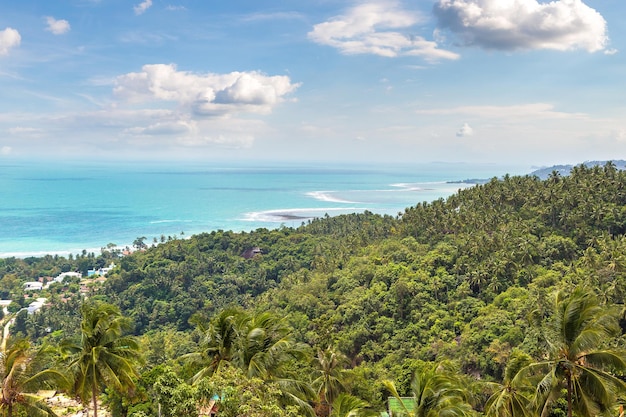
252,252
33,286
61,277
100,271
36,305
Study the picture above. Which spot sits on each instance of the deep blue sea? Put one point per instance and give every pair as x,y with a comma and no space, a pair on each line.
65,207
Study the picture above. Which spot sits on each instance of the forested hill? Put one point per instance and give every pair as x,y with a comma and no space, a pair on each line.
545,172
470,279
453,278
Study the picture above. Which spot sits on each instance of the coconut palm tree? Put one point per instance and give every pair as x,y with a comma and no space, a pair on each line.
513,397
104,356
436,391
346,405
329,376
265,345
21,371
261,345
579,362
218,342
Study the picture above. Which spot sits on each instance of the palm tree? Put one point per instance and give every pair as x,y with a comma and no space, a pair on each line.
435,391
329,372
579,362
218,342
21,371
265,346
513,397
104,357
260,345
346,405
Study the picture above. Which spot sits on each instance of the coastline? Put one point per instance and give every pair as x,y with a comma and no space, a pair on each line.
60,210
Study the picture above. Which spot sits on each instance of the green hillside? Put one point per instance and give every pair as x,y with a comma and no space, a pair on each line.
463,291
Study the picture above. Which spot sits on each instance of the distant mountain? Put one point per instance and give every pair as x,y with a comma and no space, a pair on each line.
544,173
563,170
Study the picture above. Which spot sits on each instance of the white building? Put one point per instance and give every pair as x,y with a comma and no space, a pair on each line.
101,271
35,306
63,275
33,286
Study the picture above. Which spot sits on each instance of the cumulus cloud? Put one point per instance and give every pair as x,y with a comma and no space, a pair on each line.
465,130
57,27
380,29
142,7
524,24
9,38
205,94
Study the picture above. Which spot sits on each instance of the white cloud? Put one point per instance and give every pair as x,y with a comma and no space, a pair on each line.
380,29
178,127
524,24
5,150
520,111
465,130
229,141
9,38
205,94
273,16
175,8
142,7
57,27
25,131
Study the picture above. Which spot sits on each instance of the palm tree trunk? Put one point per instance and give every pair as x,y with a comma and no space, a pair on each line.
95,401
10,410
569,395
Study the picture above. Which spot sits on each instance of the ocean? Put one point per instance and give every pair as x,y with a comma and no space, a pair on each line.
68,207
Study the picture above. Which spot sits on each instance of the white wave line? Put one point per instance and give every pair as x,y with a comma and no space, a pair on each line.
325,196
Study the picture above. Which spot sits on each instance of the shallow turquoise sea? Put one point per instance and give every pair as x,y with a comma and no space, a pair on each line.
65,207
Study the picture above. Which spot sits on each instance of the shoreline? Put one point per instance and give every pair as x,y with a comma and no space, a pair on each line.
54,211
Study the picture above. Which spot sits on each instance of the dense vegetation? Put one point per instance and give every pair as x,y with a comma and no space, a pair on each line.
475,297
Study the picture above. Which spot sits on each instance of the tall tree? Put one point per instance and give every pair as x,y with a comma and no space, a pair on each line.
346,405
104,356
435,391
217,345
513,397
21,371
260,345
329,376
265,346
580,361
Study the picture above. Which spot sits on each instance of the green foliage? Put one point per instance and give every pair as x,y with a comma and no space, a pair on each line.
580,361
23,370
103,356
238,395
435,390
469,279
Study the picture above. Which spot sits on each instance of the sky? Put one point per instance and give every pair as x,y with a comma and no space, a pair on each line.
488,81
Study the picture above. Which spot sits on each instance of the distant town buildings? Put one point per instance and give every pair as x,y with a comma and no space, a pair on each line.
33,286
100,271
36,305
44,283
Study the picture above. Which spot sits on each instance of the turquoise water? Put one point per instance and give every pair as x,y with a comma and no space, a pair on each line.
67,207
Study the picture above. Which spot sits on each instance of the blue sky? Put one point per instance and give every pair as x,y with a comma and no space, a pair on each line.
506,81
